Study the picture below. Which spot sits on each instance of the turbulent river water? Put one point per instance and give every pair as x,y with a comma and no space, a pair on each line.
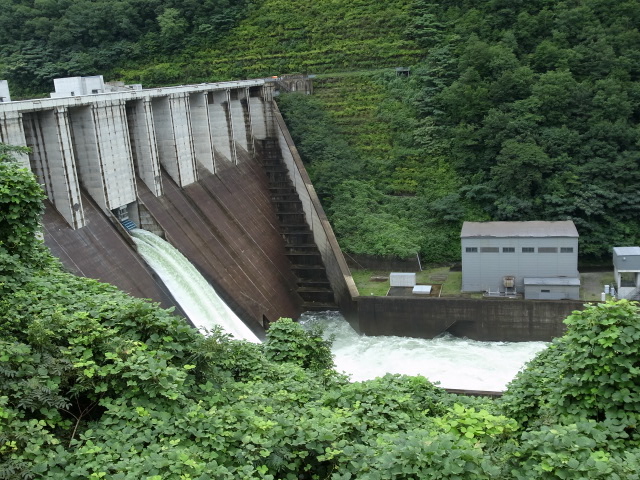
454,362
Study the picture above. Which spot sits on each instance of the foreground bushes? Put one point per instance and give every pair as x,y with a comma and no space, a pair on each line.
96,384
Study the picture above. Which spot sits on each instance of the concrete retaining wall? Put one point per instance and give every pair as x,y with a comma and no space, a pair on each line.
508,320
342,283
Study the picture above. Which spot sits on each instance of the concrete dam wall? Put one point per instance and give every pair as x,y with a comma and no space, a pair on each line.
212,168
208,168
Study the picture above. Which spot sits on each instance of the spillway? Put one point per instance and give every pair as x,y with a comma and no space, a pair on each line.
455,363
195,295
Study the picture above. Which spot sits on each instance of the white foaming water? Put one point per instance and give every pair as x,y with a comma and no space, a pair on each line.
454,362
197,298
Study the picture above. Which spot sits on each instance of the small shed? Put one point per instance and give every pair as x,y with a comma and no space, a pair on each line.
551,288
626,266
4,91
401,279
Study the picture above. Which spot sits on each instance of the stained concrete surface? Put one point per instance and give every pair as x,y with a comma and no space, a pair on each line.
225,225
100,251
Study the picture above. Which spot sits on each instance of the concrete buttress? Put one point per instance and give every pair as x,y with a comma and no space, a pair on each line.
143,144
201,129
52,159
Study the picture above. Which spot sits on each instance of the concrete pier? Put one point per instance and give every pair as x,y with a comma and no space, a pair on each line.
52,159
240,116
144,149
201,129
103,153
12,133
221,126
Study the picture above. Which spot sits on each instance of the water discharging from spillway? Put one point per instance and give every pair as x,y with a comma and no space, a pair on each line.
454,362
196,297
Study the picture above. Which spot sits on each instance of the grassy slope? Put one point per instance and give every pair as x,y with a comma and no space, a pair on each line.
295,36
352,101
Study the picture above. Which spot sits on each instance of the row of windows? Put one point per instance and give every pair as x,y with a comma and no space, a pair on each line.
524,249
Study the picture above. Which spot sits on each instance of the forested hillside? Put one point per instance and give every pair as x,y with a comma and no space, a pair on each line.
513,110
95,384
42,40
158,42
518,111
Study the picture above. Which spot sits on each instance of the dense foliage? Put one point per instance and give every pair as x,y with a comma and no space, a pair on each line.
513,110
43,40
96,384
158,42
537,105
357,134
519,111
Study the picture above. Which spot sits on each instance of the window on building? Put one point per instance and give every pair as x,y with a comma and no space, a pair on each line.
489,249
471,249
545,291
94,91
547,249
508,249
566,249
528,249
1,99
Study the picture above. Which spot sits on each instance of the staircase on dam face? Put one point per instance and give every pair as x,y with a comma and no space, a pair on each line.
306,262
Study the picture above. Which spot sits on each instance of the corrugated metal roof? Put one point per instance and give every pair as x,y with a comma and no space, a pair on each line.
519,229
624,251
574,281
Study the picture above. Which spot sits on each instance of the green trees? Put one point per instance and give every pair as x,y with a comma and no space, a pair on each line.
20,205
517,112
183,41
58,38
96,384
538,112
578,400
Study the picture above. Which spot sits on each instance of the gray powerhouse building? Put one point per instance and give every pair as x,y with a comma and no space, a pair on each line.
537,258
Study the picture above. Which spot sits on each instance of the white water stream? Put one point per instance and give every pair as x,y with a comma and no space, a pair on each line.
454,362
197,298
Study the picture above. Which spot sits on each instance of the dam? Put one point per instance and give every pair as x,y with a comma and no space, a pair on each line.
209,167
212,169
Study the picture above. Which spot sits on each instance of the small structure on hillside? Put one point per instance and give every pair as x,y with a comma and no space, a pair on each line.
4,91
91,85
626,268
402,279
538,259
